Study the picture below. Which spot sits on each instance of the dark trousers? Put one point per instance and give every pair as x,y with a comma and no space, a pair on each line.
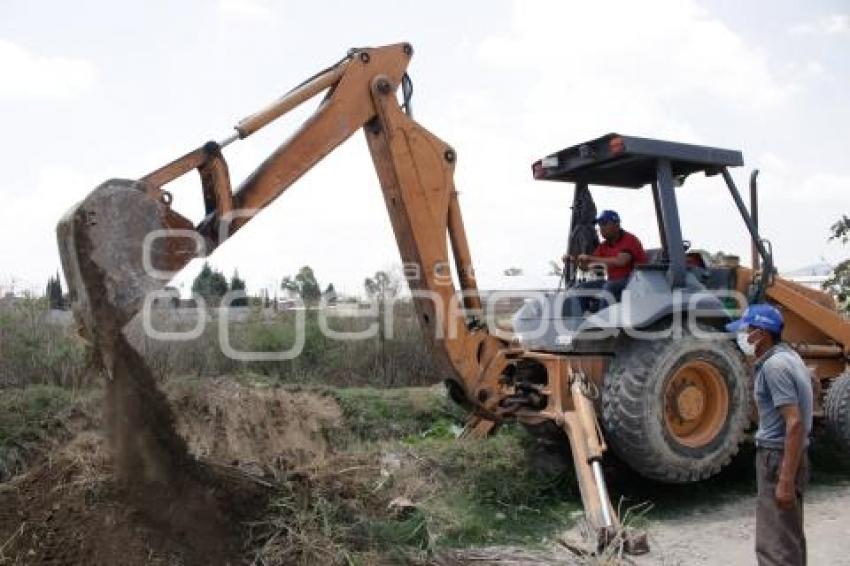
780,540
577,306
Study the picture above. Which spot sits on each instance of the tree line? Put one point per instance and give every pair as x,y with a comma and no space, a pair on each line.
212,285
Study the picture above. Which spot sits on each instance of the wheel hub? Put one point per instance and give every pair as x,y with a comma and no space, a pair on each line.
696,403
690,403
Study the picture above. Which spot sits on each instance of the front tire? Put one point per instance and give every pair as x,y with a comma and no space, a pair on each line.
675,409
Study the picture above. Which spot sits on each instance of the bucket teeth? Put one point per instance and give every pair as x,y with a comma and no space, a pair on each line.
117,246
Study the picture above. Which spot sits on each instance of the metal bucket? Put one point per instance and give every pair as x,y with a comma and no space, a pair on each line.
117,246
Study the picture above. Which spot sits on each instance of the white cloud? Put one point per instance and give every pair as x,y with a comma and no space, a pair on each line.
678,51
835,24
824,189
29,221
565,73
27,74
244,8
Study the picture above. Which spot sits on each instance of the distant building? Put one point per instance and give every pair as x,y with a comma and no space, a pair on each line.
9,300
811,275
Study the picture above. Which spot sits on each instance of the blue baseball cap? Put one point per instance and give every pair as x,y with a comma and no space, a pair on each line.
608,216
764,316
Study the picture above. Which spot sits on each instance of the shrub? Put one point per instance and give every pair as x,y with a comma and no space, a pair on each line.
27,417
34,350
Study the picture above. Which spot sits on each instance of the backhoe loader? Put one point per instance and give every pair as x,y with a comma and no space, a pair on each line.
673,408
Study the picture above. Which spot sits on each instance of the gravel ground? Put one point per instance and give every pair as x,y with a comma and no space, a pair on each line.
724,535
721,534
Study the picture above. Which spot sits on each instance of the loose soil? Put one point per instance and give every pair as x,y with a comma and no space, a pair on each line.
261,430
71,510
84,506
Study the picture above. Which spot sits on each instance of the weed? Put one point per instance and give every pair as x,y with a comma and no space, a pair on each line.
492,491
34,350
411,413
27,418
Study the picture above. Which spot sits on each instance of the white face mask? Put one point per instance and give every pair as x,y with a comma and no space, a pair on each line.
745,346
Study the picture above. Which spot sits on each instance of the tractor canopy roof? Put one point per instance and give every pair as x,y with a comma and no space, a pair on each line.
627,161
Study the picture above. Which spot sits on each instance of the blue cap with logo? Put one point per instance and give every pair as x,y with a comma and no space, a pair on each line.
764,316
608,216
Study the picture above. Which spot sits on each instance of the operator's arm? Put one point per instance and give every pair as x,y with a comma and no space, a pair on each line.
792,455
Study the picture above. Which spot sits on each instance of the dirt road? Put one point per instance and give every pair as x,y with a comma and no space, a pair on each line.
720,535
723,535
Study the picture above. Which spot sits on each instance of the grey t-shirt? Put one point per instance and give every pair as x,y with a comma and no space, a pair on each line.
781,379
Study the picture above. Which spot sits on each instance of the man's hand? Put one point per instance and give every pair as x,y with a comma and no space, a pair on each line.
583,260
786,496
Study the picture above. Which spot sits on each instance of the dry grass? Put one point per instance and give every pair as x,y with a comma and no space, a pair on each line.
8,559
588,551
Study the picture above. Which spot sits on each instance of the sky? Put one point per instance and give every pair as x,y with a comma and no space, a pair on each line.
92,90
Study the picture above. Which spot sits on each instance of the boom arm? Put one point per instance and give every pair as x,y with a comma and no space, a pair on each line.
124,241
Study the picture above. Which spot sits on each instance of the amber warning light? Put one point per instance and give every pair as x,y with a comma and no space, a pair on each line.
539,168
616,145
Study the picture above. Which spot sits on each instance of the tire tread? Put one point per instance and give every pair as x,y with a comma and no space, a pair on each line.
625,400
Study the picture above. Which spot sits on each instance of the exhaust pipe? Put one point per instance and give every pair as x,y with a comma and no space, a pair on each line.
754,214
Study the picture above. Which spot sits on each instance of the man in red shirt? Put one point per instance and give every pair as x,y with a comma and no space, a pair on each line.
619,252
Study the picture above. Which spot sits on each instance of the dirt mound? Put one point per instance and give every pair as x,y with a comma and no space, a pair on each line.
258,429
71,511
83,506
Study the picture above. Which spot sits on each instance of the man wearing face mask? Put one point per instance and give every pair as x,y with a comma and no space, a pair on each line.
783,396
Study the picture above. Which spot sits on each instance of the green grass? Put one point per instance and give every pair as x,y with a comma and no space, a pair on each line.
27,418
493,492
411,414
468,493
24,413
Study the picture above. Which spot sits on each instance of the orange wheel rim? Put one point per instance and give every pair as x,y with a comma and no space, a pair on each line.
696,403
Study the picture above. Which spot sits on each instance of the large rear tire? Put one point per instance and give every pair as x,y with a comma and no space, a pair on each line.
675,409
837,408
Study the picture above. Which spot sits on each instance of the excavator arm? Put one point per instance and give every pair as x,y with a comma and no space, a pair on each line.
124,242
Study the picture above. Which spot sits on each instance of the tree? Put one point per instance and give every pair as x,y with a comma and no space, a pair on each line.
839,282
382,288
330,294
512,271
210,284
54,292
237,284
304,284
